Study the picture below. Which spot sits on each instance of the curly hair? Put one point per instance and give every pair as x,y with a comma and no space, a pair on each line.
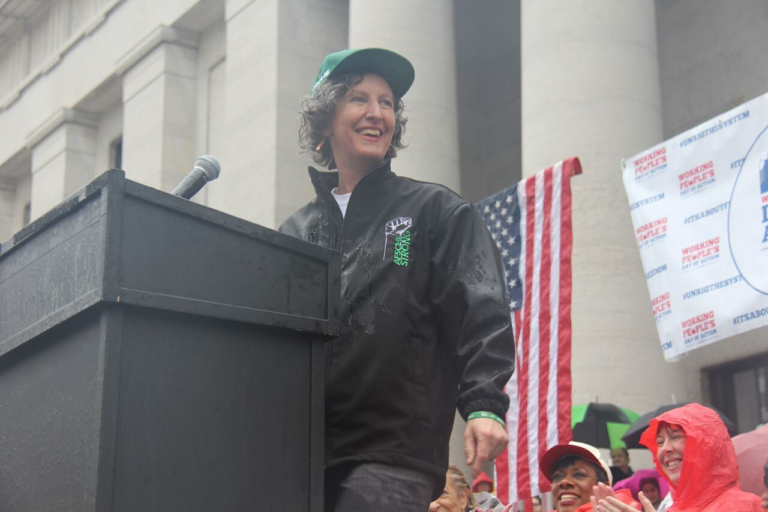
459,482
317,113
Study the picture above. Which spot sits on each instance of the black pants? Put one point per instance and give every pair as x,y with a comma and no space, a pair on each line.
375,487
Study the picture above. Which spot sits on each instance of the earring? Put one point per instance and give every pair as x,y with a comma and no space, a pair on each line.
319,147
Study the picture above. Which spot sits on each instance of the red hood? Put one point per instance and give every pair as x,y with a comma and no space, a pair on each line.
709,467
482,477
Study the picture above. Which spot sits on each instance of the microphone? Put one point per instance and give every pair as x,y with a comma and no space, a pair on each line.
206,169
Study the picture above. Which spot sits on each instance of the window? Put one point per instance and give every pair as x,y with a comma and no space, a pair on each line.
740,390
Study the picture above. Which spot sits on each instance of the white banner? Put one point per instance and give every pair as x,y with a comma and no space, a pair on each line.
699,204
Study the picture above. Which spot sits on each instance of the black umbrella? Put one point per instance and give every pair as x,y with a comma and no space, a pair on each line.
632,436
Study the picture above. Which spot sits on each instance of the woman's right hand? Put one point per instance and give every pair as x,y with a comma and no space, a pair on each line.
611,504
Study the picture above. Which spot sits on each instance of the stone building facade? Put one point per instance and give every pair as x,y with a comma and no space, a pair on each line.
503,89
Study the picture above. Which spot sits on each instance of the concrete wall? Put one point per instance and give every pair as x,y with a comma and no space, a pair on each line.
211,135
308,32
424,33
712,58
88,64
488,84
62,100
63,157
48,29
159,108
110,129
273,52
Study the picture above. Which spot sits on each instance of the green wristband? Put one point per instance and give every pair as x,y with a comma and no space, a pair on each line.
484,414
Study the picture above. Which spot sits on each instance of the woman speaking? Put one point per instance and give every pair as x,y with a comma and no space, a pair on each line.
424,315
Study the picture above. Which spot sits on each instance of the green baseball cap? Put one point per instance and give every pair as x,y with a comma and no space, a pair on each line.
394,68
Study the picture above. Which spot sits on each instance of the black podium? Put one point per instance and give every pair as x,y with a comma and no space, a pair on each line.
157,355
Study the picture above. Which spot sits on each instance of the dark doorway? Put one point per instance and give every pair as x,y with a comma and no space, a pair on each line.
740,390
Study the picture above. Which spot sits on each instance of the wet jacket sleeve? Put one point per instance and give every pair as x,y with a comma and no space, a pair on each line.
469,293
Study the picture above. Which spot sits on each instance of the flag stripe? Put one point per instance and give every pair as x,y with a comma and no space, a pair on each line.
571,168
513,416
544,336
507,486
501,469
525,195
534,209
554,307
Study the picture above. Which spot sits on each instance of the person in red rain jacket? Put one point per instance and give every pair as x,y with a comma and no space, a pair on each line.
693,452
483,483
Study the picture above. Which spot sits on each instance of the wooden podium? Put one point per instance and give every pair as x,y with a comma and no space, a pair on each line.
157,355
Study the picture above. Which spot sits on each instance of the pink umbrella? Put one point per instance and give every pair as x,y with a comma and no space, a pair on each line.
752,453
633,483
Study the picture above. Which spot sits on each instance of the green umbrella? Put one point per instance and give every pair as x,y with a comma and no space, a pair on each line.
632,415
615,431
579,412
601,425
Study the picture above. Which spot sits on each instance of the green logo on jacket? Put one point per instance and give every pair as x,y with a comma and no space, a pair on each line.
402,246
399,228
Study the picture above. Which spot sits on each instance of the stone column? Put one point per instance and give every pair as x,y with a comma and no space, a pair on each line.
63,158
423,32
274,49
251,108
159,105
590,88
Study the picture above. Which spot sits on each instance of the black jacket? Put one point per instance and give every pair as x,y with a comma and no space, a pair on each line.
424,318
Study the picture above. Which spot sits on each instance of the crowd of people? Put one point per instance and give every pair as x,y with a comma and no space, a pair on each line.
692,453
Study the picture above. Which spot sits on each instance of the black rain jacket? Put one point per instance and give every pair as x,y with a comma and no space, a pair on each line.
425,320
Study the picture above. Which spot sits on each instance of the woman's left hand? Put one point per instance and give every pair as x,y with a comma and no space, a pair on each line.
601,492
484,440
604,500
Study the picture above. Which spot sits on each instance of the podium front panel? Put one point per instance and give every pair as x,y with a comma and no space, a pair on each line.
212,415
50,398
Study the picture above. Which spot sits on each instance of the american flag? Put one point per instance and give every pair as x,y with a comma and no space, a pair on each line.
531,224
